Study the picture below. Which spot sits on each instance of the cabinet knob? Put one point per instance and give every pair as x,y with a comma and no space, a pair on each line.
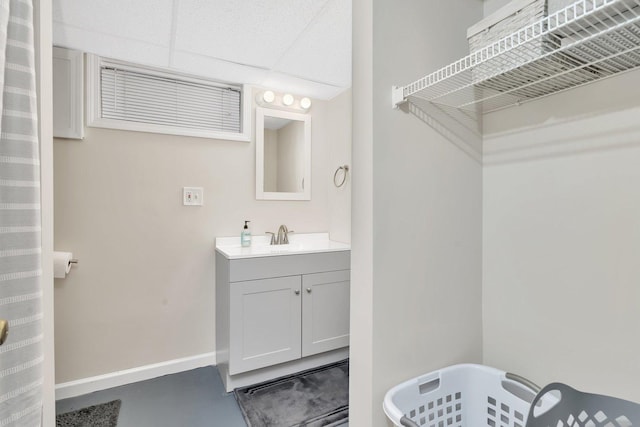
297,292
308,290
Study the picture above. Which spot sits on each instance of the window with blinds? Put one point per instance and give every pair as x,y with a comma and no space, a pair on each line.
136,98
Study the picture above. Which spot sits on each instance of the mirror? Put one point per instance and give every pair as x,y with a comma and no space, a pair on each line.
283,155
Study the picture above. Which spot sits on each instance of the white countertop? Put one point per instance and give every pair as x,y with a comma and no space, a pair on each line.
260,247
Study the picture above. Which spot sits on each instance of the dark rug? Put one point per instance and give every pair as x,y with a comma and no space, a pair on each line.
315,398
103,415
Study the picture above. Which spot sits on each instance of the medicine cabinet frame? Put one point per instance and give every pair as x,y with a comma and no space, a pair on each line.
305,185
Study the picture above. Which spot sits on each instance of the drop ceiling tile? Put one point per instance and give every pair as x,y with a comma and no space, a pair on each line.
252,32
301,87
143,20
110,46
215,69
238,41
323,52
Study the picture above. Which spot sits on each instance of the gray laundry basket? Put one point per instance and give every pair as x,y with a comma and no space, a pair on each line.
573,408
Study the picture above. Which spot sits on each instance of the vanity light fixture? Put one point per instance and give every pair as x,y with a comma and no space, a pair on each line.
287,99
268,96
305,103
283,101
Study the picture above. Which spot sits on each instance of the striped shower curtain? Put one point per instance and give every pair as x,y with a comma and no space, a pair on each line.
20,248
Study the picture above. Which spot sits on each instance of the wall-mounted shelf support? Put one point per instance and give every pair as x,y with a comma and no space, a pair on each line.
397,96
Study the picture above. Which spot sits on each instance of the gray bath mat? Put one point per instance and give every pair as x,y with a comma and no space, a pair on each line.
103,415
314,398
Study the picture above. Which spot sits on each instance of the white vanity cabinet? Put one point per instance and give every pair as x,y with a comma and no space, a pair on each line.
280,314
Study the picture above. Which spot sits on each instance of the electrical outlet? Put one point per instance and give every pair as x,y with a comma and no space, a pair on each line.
192,196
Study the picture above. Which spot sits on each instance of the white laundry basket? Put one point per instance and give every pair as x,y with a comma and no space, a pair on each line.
461,396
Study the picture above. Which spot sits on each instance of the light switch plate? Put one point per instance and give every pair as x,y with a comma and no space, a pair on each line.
192,196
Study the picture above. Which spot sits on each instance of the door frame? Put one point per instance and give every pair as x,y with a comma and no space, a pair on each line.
43,23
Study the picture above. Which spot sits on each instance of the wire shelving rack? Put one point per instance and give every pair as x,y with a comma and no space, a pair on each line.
584,42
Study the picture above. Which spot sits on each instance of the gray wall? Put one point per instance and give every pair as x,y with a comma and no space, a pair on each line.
338,137
143,292
417,244
555,208
562,238
491,6
361,403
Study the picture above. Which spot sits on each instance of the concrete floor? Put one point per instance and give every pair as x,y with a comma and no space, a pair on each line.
189,399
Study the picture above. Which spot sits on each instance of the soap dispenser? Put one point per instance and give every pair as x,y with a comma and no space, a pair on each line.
245,236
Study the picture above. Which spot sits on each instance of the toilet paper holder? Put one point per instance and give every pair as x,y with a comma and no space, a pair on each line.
62,263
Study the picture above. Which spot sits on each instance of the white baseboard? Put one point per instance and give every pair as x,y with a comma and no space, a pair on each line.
128,376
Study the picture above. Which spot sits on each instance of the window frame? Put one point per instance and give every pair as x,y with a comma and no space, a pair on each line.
94,102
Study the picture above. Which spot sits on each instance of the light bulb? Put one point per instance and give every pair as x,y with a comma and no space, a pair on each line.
268,96
305,103
287,99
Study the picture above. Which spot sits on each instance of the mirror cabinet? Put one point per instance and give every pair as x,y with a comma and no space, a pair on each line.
283,155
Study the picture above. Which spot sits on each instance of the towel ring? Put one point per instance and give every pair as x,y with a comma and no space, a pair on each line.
345,169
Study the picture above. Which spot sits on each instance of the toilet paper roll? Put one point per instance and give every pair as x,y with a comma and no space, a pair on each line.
61,264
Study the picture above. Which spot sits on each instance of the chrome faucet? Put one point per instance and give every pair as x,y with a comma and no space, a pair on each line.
283,237
273,238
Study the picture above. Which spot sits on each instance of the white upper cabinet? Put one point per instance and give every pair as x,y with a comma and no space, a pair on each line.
67,93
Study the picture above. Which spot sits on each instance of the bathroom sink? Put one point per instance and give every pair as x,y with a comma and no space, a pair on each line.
283,248
298,244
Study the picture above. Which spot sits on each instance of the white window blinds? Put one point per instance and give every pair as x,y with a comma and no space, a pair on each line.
127,96
135,96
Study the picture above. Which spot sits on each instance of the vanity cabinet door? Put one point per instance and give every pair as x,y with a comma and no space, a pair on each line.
265,323
325,311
